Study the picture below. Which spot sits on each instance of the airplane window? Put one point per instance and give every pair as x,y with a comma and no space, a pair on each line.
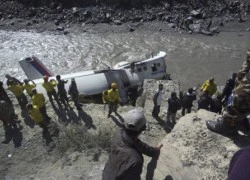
159,64
145,68
139,69
153,67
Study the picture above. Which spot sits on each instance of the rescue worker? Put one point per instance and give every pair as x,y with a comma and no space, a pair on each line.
73,92
13,79
157,99
113,98
3,95
28,87
227,91
17,90
209,86
49,87
126,160
174,105
187,102
62,91
38,100
36,115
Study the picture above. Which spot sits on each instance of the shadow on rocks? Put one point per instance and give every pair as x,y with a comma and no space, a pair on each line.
51,130
116,121
87,119
27,119
167,127
12,133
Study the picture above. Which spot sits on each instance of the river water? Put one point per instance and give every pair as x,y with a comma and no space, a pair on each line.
191,59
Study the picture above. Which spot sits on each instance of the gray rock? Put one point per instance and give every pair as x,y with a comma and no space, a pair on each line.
117,22
215,30
60,28
248,29
196,28
131,29
28,23
171,25
196,13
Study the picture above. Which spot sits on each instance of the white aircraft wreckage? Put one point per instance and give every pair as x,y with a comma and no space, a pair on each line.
128,76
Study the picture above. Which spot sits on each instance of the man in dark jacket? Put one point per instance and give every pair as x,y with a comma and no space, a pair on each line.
62,91
187,102
205,101
126,160
217,104
227,91
73,92
174,104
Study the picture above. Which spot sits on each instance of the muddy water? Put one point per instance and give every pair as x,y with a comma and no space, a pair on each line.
191,59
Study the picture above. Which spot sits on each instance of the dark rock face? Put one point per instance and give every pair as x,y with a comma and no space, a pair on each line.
187,15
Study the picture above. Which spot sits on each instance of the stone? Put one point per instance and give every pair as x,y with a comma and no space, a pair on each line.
117,22
60,28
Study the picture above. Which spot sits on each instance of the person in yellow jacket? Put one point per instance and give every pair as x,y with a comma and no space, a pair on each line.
28,87
17,90
113,99
49,87
36,115
38,100
209,86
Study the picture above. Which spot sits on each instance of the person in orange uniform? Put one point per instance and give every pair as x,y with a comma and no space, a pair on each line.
17,90
28,87
113,99
49,87
38,100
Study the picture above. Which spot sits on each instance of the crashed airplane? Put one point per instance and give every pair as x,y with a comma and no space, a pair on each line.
129,76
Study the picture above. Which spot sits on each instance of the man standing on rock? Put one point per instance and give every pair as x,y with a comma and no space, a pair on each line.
187,102
227,91
157,101
174,105
126,160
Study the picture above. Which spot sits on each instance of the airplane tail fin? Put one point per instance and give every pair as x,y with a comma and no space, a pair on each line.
34,68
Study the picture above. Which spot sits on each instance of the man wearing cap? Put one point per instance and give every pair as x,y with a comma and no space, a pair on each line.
126,160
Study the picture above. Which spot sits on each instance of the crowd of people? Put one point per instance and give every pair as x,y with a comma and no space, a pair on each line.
35,105
208,98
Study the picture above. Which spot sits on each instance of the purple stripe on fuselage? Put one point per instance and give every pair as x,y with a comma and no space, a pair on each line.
40,68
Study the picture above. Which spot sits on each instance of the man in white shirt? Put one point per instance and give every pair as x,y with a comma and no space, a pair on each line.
157,101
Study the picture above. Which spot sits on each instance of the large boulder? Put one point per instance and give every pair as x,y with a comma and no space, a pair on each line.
193,152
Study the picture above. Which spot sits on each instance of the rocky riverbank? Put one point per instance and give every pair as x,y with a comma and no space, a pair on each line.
205,17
